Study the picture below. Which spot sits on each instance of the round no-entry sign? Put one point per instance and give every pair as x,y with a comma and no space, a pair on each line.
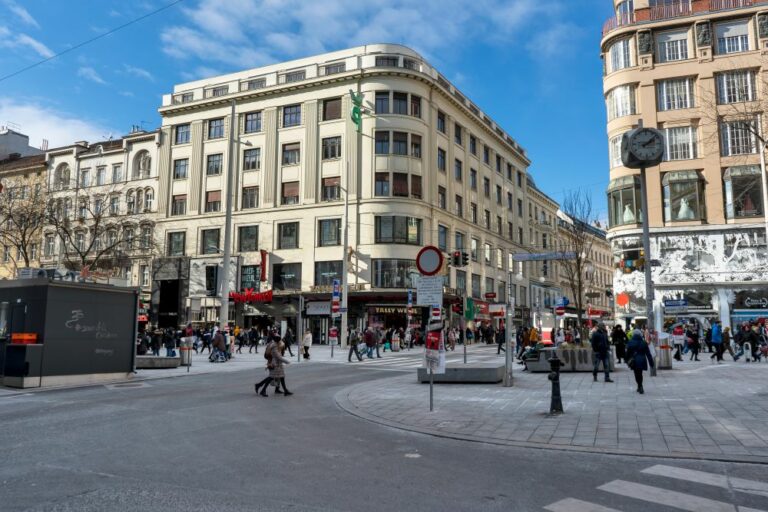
560,310
429,261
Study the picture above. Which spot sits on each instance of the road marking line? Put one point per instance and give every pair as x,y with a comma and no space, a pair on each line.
669,498
574,505
722,481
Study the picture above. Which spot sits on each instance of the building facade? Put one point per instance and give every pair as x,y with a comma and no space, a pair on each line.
695,70
427,167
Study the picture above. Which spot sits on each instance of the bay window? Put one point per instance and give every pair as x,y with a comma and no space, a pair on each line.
393,273
624,201
683,196
619,55
743,192
614,151
621,101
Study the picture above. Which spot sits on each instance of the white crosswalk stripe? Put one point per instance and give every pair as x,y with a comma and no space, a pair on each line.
722,481
574,505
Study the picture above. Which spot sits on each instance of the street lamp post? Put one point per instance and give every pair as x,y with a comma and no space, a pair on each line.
228,223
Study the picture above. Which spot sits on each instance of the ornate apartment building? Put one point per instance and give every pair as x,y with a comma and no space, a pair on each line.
427,167
695,70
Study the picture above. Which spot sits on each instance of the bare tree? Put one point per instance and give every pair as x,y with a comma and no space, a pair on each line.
574,243
22,217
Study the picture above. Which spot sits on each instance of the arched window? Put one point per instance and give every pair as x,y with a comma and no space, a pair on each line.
130,201
142,165
61,177
139,201
149,197
146,236
128,237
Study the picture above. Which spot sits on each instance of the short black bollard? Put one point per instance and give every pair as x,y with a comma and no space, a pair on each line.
556,406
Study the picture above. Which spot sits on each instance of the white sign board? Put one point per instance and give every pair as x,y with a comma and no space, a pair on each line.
429,290
319,308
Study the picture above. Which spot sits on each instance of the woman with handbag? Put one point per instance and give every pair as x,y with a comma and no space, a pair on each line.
638,358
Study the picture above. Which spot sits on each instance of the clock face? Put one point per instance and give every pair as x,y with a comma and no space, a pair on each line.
647,145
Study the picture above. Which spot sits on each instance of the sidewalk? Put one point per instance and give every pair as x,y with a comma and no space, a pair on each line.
699,410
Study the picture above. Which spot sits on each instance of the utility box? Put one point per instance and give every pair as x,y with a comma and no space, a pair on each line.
84,333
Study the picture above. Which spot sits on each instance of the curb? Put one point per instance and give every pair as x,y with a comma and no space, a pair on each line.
344,403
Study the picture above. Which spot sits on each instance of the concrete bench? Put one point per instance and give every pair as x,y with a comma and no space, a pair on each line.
572,360
153,362
472,373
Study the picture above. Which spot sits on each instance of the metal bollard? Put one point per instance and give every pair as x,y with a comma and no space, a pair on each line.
556,405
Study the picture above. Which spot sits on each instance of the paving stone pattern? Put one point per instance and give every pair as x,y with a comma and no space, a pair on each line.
698,410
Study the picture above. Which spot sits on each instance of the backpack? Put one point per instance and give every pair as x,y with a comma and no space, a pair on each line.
268,352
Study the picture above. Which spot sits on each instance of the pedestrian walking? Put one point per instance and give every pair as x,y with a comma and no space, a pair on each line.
169,343
306,343
288,340
452,334
638,358
500,338
370,340
600,352
717,342
619,340
253,339
275,364
727,343
354,340
693,342
378,340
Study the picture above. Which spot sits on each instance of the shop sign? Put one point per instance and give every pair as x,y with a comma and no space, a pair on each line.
751,299
250,275
387,310
675,307
498,310
319,308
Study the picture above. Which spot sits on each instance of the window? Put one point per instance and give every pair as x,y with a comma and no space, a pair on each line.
732,37
459,206
252,159
291,153
400,184
331,148
33,252
182,134
680,143
382,184
736,86
415,186
286,276
290,192
179,205
117,173
258,83
441,159
510,202
79,241
393,273
487,187
487,219
400,103
213,201
331,189
473,248
458,134
520,237
335,68
291,115
498,194
672,46
461,281
441,197
128,236
250,197
624,201
498,163
288,235
381,104
683,196
441,121
459,241
253,122
473,213
183,98
499,228
458,170
614,151
386,61
489,285
400,143
101,175
619,55
114,205
510,231
248,238
85,178
327,271
209,241
216,128
519,179
543,240
180,168
328,232
50,245
213,165
415,106
442,238
486,155
416,146
738,137
675,94
509,171
219,91
146,237
519,207
331,109
472,145
476,286
398,230
294,76
743,196
382,143
621,101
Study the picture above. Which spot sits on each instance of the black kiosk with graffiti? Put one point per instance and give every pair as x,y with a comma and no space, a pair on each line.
56,333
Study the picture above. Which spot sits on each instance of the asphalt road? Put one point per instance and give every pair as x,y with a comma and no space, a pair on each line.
207,442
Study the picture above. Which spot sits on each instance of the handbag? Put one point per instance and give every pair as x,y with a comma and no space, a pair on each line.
631,364
362,347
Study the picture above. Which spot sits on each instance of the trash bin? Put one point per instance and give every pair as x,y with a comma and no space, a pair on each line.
664,356
185,352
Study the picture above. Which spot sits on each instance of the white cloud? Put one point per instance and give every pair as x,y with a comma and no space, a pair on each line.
44,122
22,13
138,72
223,33
10,40
91,74
555,40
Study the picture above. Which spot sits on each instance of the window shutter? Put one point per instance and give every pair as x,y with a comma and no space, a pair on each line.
732,29
212,196
291,189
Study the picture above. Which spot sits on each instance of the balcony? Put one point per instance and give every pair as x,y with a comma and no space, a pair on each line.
719,5
671,10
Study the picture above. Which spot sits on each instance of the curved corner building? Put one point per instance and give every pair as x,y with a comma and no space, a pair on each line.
695,70
429,167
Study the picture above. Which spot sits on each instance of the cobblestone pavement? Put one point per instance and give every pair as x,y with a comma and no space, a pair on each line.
698,410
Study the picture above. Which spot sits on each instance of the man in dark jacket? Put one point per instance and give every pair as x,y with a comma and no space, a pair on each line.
600,351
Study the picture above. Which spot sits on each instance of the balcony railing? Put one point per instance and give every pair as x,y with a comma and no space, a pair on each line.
719,5
620,20
672,10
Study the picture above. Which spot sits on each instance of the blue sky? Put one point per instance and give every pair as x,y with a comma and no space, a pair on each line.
533,65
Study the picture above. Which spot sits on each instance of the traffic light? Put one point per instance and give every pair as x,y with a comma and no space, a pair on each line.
357,109
456,259
464,259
